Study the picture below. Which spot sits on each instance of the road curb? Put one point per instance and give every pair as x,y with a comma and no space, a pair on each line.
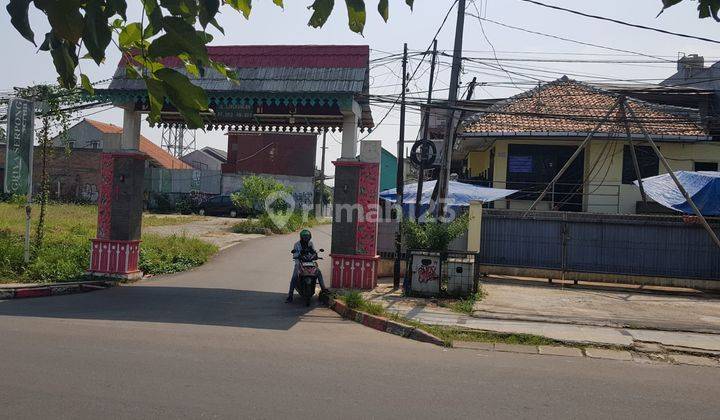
383,324
56,289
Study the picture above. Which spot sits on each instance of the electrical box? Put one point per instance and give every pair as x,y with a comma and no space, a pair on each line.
461,276
426,274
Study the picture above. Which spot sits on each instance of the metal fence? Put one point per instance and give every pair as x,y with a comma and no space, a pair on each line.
630,245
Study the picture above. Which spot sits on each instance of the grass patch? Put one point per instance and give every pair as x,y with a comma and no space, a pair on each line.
65,254
355,300
265,224
467,305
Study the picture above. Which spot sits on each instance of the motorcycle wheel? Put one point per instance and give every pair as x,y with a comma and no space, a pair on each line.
309,292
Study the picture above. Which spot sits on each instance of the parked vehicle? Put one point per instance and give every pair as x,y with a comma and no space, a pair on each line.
220,205
307,275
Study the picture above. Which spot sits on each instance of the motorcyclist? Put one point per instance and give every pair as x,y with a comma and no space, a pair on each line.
303,246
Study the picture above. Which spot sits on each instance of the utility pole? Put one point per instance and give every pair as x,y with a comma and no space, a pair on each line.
426,133
444,176
322,178
400,173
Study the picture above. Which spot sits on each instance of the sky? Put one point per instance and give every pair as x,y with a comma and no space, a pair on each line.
505,61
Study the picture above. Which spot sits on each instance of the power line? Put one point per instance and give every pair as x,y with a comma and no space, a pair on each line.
620,22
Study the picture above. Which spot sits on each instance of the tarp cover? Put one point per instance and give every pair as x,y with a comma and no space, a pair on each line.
459,194
703,187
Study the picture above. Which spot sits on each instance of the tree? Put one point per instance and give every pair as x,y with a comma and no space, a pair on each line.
169,28
55,110
706,8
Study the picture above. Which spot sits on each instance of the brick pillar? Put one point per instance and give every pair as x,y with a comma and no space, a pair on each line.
355,221
116,250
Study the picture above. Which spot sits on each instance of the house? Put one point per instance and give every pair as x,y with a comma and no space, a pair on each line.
207,158
92,134
522,142
286,157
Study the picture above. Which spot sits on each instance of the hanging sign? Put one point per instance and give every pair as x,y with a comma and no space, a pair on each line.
20,135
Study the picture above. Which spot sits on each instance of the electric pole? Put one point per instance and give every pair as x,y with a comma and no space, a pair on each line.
444,176
400,188
321,187
426,133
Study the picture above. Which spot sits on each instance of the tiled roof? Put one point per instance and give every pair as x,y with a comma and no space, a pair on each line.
154,152
569,106
216,153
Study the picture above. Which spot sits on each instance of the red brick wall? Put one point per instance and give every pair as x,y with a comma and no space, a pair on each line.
271,153
76,174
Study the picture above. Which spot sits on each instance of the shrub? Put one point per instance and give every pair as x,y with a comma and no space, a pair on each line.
434,235
255,190
250,226
172,254
353,300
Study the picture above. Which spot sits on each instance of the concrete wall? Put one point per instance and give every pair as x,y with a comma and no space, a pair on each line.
183,181
73,177
606,192
303,188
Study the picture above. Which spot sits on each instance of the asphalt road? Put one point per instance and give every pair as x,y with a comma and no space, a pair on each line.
219,342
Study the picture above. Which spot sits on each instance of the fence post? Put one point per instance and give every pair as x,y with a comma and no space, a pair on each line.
474,227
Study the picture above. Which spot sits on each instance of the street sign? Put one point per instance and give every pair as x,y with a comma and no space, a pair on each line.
20,135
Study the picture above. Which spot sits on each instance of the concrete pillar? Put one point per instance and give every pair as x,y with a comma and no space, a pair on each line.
130,139
351,120
474,228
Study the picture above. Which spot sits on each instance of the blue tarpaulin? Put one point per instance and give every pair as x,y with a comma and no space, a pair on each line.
703,187
459,194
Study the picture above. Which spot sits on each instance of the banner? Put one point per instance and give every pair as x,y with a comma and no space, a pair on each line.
20,135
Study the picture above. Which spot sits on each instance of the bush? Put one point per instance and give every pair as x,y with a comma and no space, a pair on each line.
250,226
163,204
434,235
353,300
255,191
172,254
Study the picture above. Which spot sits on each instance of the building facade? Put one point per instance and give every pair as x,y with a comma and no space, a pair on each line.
521,143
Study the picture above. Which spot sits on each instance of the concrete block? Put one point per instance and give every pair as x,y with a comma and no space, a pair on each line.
473,345
560,351
399,329
28,293
516,348
686,359
425,337
341,308
7,294
596,353
375,322
648,347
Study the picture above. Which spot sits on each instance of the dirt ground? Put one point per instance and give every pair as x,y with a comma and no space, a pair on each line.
216,230
595,304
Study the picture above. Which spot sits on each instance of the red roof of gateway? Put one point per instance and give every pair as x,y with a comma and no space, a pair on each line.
154,152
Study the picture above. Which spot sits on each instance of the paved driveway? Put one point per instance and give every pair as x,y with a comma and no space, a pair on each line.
218,342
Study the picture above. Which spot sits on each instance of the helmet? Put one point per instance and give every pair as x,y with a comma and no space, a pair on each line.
305,235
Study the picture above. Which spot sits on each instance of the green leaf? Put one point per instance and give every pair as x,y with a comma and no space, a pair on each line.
180,37
279,3
217,26
130,35
183,8
383,9
208,10
244,6
156,98
96,34
356,15
153,12
65,61
86,85
65,19
117,6
321,12
132,72
410,3
18,10
189,99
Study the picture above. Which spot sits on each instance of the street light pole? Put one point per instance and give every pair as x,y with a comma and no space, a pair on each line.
400,187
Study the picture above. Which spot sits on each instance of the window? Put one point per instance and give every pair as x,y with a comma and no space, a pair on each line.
648,162
95,144
71,145
520,164
706,166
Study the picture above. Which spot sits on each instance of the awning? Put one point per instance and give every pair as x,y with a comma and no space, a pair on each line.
703,187
459,194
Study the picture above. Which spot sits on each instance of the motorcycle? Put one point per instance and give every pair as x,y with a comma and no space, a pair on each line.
307,274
